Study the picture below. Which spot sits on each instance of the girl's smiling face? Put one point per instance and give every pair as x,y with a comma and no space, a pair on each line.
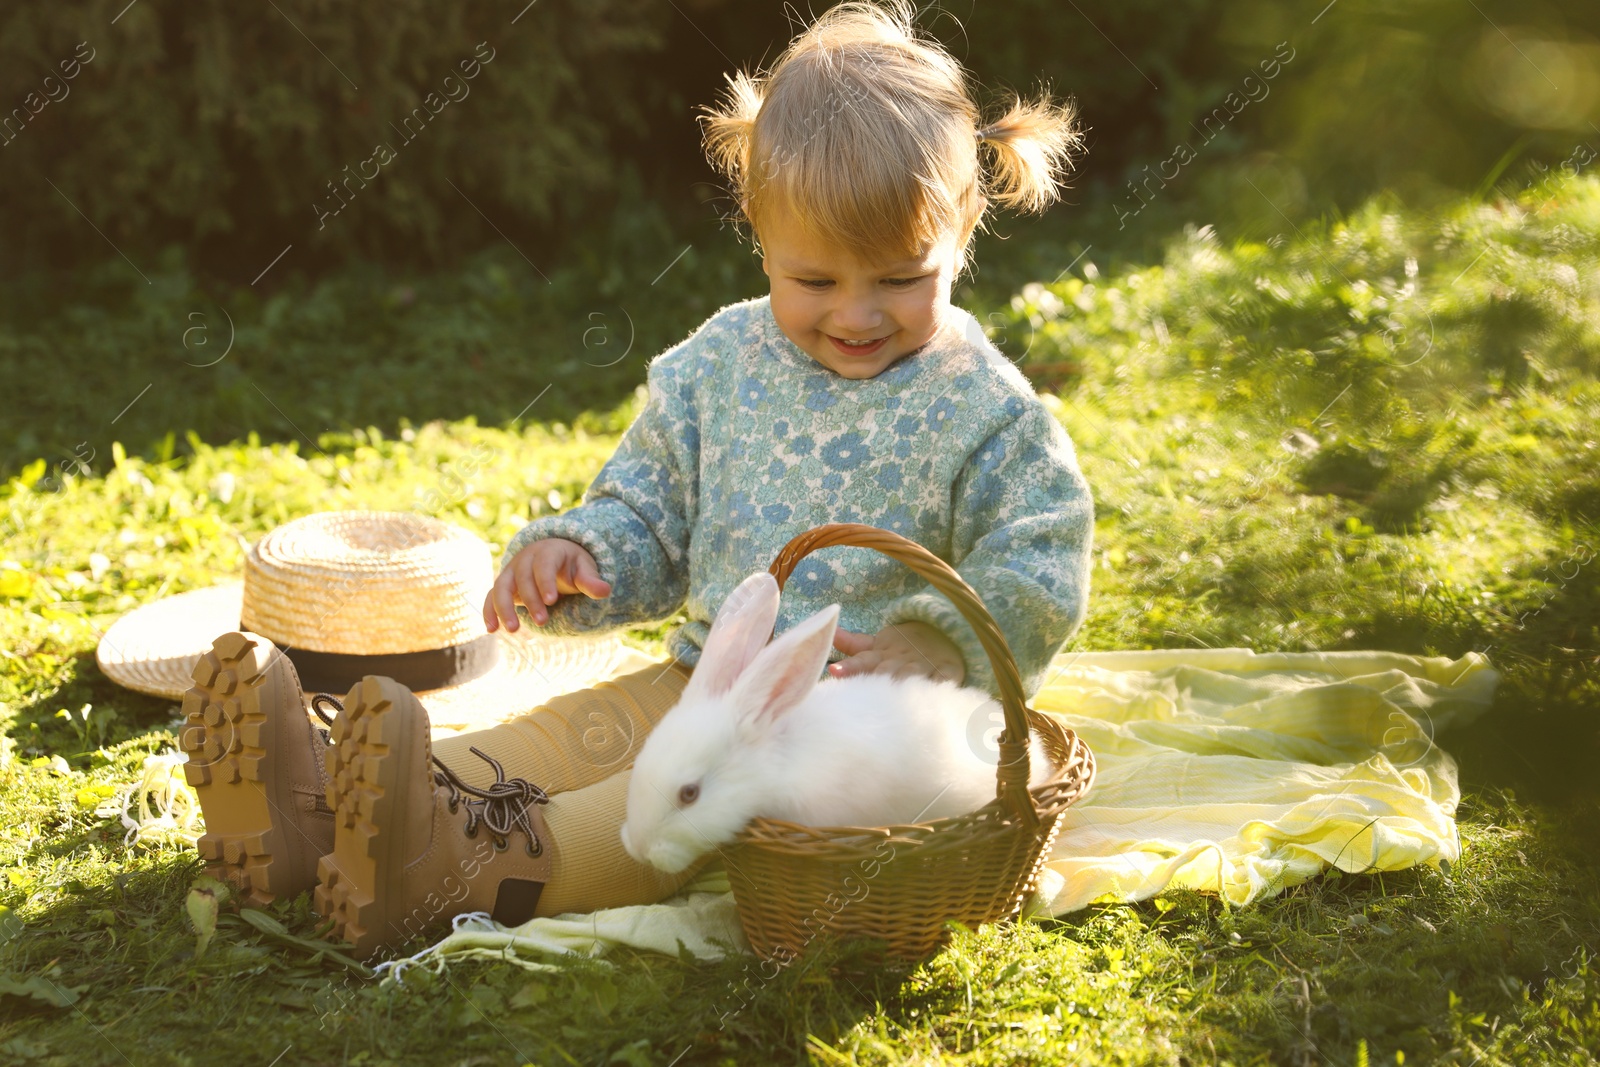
856,317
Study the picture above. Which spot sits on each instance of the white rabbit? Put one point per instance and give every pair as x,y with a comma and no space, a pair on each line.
756,733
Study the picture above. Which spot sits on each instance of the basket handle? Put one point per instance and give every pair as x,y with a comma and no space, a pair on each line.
1011,773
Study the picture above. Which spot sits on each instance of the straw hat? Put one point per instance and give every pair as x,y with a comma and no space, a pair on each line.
351,593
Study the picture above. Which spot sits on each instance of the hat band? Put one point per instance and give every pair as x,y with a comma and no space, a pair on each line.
433,668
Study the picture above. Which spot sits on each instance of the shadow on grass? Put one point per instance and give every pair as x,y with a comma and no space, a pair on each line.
1542,734
123,951
370,345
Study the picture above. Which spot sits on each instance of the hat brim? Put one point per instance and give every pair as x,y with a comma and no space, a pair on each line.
154,648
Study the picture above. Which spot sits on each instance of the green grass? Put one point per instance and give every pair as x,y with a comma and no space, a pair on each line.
1279,460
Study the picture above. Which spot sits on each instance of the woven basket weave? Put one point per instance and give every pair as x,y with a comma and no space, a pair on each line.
903,884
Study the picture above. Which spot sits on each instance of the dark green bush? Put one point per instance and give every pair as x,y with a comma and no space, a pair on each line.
223,127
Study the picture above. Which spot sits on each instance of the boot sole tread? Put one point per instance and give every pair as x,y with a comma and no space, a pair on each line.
223,734
363,772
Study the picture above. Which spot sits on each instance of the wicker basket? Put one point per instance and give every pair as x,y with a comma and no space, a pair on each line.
903,884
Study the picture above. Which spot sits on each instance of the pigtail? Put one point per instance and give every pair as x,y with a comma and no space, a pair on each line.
1033,147
728,131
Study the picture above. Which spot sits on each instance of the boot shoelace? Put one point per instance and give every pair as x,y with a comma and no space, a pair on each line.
327,719
501,808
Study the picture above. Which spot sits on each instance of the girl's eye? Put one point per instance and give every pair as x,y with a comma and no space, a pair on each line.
814,283
901,283
689,793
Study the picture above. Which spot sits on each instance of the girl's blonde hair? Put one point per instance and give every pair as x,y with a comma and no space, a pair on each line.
868,134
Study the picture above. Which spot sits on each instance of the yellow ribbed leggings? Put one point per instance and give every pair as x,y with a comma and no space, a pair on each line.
579,748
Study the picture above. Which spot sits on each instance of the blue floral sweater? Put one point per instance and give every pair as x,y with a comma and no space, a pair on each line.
746,441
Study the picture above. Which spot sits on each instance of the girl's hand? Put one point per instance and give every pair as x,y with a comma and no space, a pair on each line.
536,576
901,650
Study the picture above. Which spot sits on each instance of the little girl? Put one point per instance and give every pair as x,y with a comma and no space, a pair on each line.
853,392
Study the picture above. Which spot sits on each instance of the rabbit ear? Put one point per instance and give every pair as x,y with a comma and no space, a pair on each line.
738,633
786,670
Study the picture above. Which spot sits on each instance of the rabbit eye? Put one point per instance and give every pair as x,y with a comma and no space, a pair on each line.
689,793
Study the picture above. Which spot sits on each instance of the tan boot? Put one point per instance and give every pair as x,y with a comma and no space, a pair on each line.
256,763
413,844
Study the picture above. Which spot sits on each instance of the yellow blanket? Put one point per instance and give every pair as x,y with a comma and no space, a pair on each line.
1219,770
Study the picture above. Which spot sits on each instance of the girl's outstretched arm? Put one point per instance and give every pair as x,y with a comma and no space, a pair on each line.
1024,523
635,516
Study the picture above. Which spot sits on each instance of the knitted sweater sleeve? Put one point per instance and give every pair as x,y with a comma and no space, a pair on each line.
635,517
1024,521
